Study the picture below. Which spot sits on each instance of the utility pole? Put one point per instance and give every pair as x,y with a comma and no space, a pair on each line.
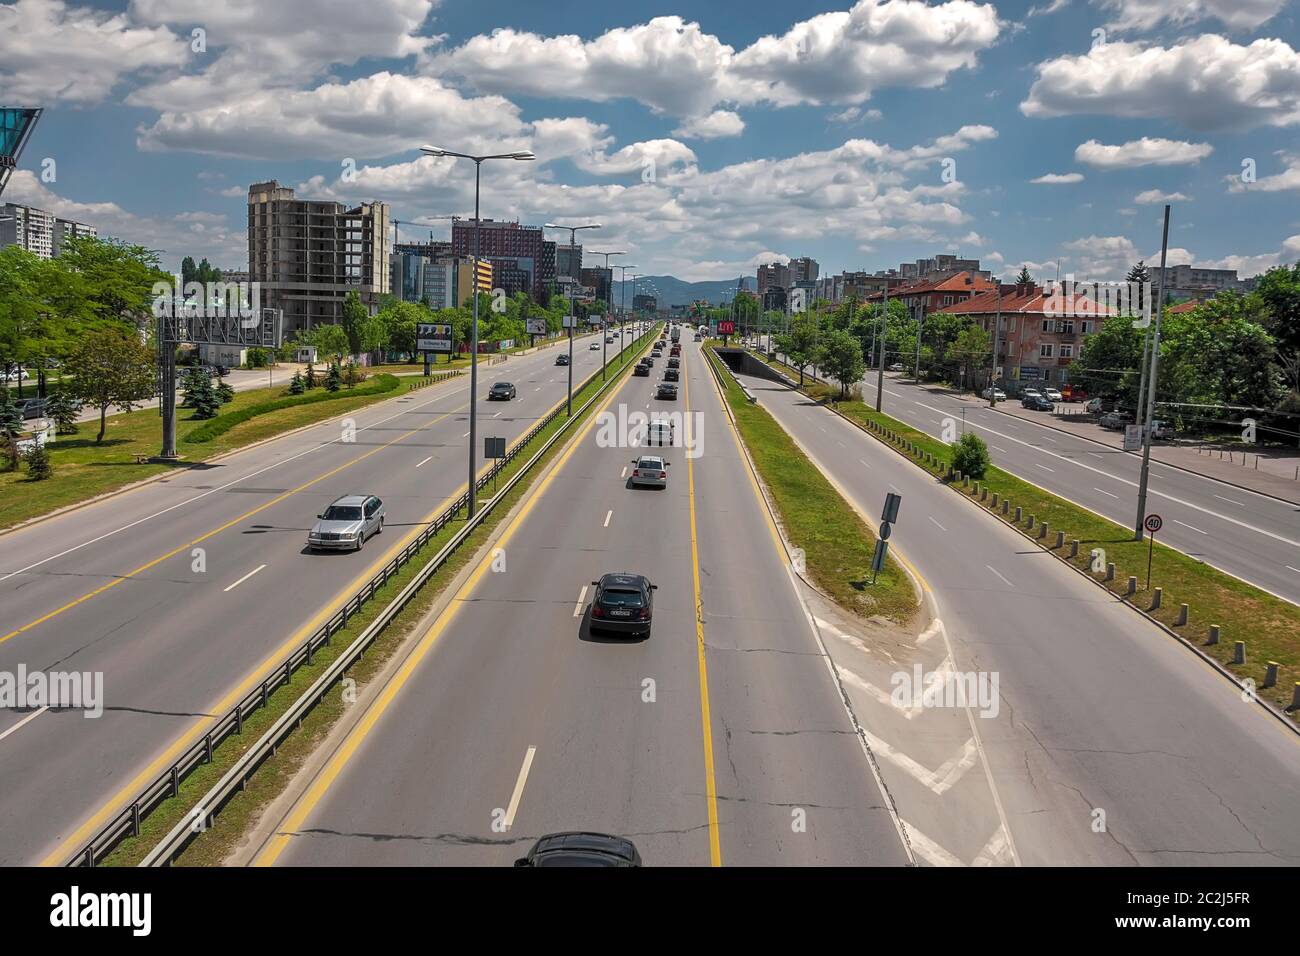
1138,524
880,349
993,360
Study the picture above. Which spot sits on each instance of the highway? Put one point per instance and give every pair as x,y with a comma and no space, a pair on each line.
1100,711
707,743
185,591
1252,536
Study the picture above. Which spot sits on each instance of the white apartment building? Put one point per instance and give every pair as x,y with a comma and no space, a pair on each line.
39,232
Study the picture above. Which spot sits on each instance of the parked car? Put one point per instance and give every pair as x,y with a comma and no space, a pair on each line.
1095,406
672,374
1162,431
501,391
1031,390
1036,403
995,393
1116,421
649,470
896,367
562,359
1073,393
31,408
1053,394
345,524
623,603
581,848
667,390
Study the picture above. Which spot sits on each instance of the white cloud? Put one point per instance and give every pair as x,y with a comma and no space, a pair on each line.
852,114
716,125
52,53
376,115
1284,181
197,233
1058,179
1153,196
1204,83
1104,258
673,66
1147,14
1052,7
1147,151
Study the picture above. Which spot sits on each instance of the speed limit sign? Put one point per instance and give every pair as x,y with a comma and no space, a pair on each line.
1153,523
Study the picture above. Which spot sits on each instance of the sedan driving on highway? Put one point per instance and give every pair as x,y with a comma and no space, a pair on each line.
623,603
593,347
501,391
642,370
649,471
672,374
345,525
562,359
581,849
667,391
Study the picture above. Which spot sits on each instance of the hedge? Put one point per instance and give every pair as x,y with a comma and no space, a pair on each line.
223,423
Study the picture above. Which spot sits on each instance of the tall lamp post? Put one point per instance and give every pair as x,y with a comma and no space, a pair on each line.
604,326
522,155
573,245
623,329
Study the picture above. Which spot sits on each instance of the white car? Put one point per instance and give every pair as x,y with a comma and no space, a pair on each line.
649,470
593,347
659,434
996,393
1053,394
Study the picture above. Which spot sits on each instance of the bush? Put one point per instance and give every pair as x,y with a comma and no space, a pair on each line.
204,399
970,456
38,463
223,423
296,386
334,379
63,408
310,381
225,394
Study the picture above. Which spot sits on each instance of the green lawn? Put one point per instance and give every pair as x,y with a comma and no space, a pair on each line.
84,469
837,543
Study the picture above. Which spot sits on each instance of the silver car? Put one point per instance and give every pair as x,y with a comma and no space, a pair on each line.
649,470
345,525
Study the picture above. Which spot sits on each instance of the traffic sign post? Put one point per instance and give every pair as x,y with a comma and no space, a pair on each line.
1153,524
494,448
888,515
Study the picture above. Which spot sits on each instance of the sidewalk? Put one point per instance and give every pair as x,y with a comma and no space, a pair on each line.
1271,471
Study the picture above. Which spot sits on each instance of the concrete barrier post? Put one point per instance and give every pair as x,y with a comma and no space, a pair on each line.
956,476
1182,615
1214,635
995,499
1074,548
1042,531
1110,571
1239,652
1060,539
1032,519
1132,585
1295,697
1270,675
1156,597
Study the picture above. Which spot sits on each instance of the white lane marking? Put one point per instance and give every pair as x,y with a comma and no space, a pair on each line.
1186,525
928,850
244,578
882,697
1094,455
936,524
1296,570
942,778
864,462
1153,492
996,852
466,435
425,462
1044,467
624,473
608,514
1051,439
1000,574
1116,497
582,597
1241,504
519,787
497,415
30,717
999,448
936,627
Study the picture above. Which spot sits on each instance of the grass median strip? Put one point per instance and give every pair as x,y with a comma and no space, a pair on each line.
211,848
1269,625
837,543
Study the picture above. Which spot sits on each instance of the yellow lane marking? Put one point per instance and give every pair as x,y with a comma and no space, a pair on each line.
303,809
710,780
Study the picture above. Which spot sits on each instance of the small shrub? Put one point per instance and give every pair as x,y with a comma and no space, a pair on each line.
38,463
970,456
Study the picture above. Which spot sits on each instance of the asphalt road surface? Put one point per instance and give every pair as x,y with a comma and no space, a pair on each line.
511,719
184,592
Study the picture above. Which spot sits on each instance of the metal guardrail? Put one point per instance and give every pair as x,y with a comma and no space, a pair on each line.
167,785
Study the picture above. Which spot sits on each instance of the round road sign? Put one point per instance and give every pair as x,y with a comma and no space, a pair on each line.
1153,523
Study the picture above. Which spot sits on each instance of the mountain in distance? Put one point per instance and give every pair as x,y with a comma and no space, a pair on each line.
670,290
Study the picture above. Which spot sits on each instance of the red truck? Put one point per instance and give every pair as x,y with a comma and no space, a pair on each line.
1073,393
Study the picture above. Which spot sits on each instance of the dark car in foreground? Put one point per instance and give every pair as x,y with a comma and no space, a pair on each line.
623,603
642,370
581,848
672,375
562,359
501,391
1036,403
667,390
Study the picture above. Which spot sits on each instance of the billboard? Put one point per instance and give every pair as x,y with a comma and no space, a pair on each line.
726,327
433,338
535,326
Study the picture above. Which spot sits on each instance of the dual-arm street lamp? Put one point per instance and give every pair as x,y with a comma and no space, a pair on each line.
604,334
573,246
523,155
623,329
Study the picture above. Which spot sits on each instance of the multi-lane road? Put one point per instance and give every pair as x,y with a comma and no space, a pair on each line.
184,591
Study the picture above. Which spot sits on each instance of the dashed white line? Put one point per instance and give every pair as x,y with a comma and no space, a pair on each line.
582,598
30,717
624,473
1116,497
244,578
999,448
608,514
1044,467
1000,574
466,435
425,462
519,787
864,463
936,524
1241,504
1186,525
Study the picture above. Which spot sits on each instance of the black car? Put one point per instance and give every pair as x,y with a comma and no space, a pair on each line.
667,390
672,374
642,370
562,359
31,407
1036,403
502,391
623,603
674,362
580,848
649,361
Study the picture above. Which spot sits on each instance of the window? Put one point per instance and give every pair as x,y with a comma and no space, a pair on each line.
1085,327
1045,351
1067,351
1048,325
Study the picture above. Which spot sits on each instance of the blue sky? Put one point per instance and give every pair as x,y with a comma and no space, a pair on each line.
705,139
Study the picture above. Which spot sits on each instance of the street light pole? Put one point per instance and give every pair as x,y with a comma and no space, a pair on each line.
1138,524
604,325
997,323
623,329
522,155
880,348
573,245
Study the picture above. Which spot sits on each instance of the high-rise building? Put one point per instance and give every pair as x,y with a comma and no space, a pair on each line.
39,232
568,260
518,253
803,270
601,281
308,255
774,275
644,303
